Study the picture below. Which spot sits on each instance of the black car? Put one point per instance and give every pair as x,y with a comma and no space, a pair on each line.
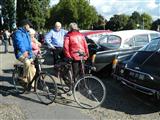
142,71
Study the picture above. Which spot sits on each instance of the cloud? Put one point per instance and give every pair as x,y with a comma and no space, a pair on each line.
108,8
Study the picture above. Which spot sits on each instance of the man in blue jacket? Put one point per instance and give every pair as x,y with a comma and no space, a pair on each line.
55,38
23,50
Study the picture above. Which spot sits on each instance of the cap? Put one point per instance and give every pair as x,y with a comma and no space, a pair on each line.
73,26
25,22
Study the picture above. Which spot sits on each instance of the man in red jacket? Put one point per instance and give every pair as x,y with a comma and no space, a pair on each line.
74,41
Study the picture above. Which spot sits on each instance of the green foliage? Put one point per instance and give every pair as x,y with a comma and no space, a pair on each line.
8,12
67,11
34,10
156,25
100,24
146,21
117,22
135,21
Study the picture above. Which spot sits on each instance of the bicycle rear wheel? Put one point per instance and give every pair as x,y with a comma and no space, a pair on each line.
18,84
89,92
46,88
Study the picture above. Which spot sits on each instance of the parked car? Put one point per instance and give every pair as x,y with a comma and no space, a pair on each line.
95,35
141,72
119,45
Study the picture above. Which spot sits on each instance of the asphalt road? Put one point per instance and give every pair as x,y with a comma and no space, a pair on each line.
121,103
29,103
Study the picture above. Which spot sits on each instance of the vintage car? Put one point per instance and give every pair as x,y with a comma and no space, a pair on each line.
119,45
95,35
141,71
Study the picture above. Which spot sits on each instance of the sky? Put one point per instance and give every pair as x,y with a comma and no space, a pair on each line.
108,8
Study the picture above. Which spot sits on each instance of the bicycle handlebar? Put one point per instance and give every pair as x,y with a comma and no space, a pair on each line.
81,53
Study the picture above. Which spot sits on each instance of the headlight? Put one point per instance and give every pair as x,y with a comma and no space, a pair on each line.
93,58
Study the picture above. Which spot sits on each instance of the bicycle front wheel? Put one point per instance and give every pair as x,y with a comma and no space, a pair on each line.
18,84
46,88
89,92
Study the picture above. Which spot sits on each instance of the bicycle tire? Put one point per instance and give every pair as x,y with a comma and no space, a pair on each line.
16,82
46,88
86,94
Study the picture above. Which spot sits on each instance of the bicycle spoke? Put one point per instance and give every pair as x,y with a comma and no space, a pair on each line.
46,89
92,94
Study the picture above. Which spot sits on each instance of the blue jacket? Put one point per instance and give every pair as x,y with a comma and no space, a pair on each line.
21,43
55,38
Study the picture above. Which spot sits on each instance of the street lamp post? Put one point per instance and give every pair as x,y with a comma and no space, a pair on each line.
1,17
14,26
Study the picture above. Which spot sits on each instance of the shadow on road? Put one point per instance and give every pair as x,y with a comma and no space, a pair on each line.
10,90
122,99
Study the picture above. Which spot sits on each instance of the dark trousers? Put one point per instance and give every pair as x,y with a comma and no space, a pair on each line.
5,42
76,65
57,55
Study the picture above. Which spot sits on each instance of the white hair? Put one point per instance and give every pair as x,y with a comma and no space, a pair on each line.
58,24
32,31
73,26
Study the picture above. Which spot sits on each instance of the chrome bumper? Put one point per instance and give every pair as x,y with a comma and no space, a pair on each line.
137,87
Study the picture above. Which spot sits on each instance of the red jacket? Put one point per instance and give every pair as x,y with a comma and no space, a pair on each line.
74,41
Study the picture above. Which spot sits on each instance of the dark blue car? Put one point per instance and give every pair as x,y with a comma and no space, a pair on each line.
142,71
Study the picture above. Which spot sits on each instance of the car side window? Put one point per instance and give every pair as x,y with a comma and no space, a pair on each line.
138,40
110,41
152,46
141,40
154,35
103,40
130,42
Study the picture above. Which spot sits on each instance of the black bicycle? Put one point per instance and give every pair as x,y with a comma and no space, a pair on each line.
44,84
88,91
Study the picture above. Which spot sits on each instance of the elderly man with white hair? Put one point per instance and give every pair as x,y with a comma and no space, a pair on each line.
55,38
75,41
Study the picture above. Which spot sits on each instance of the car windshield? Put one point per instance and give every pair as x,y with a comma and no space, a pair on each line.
110,41
152,46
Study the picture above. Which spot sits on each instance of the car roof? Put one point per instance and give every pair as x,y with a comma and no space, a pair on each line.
125,34
95,32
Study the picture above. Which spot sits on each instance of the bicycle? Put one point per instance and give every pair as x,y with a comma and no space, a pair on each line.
88,91
44,86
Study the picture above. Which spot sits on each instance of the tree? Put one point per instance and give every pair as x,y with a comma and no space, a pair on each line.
100,25
67,11
8,12
117,22
156,25
146,21
34,10
134,21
